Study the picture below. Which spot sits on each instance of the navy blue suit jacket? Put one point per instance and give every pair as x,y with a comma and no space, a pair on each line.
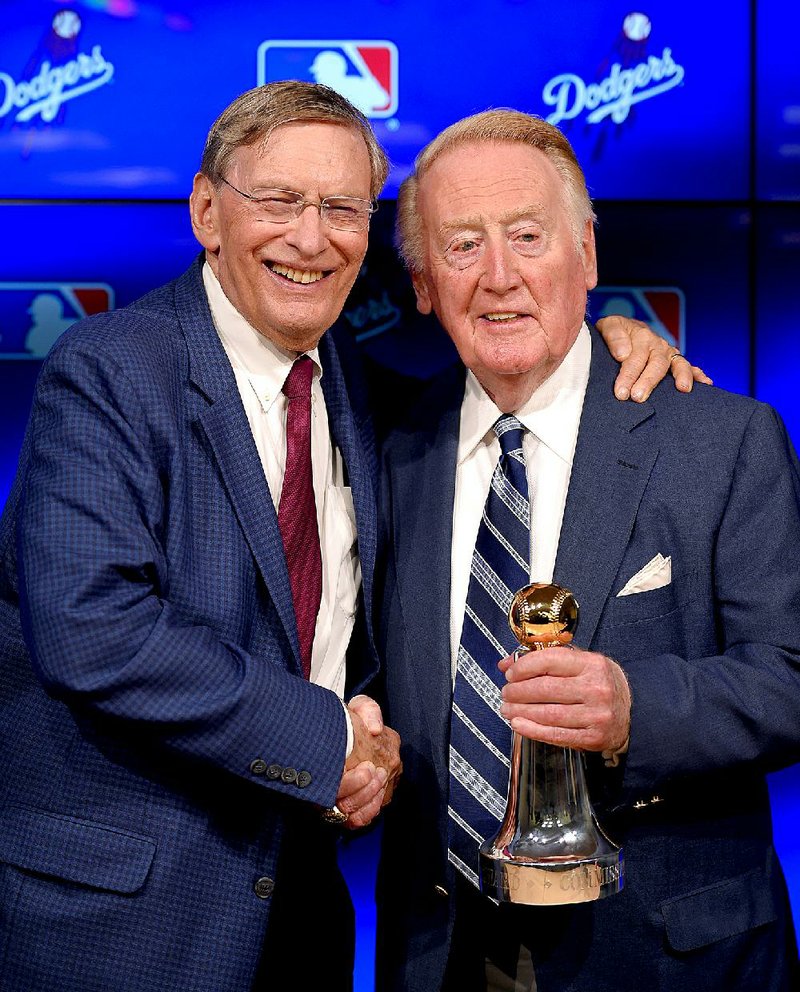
157,740
713,661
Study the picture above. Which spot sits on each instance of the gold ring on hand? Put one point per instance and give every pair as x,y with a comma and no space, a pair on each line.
334,815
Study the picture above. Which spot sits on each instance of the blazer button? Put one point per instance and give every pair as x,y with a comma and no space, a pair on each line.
263,887
441,891
274,772
289,775
303,779
258,766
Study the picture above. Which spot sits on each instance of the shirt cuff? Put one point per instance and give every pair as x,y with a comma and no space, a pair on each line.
611,758
350,730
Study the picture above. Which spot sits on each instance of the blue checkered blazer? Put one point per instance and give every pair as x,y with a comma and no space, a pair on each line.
156,738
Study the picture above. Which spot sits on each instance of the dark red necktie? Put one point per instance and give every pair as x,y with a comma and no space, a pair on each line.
297,512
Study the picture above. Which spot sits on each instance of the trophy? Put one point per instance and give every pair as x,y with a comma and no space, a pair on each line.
550,849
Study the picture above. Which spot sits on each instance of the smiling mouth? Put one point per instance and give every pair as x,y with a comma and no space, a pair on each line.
301,276
499,318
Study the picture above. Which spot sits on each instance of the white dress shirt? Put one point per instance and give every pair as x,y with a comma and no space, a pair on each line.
261,369
552,416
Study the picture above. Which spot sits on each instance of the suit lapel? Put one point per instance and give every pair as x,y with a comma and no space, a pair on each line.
610,471
423,496
225,424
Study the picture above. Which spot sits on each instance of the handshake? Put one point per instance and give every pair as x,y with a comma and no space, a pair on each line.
372,767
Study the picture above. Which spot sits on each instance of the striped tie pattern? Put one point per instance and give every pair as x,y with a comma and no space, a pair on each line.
480,740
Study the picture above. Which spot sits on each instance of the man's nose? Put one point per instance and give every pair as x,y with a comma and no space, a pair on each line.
307,232
500,268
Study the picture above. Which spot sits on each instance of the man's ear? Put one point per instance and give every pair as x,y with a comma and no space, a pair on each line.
589,255
203,211
424,304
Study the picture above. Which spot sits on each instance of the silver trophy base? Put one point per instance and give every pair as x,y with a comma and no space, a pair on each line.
551,882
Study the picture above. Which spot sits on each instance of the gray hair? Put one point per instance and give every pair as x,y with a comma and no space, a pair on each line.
253,116
491,126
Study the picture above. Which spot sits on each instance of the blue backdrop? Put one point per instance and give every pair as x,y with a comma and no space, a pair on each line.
686,119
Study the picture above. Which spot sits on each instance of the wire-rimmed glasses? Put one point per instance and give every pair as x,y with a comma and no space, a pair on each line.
280,206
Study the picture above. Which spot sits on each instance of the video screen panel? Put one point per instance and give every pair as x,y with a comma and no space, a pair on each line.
113,100
691,264
777,341
777,100
69,261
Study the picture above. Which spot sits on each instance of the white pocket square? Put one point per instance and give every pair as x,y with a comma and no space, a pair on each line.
656,574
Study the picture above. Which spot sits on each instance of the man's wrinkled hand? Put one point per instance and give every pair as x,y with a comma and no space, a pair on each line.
373,766
646,358
567,697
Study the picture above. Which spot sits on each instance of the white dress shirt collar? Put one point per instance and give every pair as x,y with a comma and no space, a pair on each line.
552,413
252,354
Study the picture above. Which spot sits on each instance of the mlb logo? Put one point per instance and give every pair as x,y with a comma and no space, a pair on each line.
33,315
662,307
364,72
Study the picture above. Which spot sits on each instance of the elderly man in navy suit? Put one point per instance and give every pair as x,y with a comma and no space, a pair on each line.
676,525
177,737
188,553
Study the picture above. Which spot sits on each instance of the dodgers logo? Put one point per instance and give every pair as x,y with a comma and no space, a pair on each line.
364,72
662,307
58,71
629,75
33,315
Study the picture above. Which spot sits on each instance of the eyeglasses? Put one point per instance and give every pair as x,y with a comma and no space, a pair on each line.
279,206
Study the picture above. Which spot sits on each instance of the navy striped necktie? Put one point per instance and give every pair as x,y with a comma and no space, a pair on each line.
480,740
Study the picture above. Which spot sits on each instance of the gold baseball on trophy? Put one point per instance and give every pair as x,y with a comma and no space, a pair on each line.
543,614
